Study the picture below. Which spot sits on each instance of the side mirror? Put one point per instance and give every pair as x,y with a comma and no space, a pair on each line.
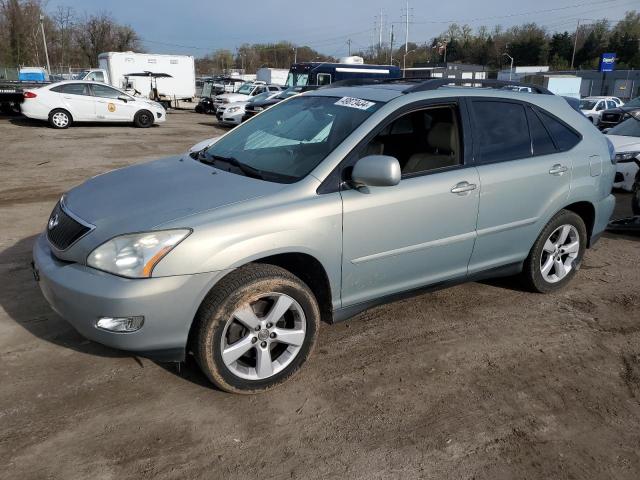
376,171
123,98
605,130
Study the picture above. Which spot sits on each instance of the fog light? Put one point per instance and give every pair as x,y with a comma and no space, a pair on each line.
120,324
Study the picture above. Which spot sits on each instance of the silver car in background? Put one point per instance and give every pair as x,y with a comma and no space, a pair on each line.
322,206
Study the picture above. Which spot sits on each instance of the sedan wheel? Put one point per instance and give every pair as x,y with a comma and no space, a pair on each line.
59,119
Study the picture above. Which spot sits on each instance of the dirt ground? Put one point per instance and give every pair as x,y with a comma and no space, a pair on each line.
480,381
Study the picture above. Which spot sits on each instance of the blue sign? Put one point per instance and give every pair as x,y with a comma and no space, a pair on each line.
607,62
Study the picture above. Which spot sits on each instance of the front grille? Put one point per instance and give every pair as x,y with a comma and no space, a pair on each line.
62,230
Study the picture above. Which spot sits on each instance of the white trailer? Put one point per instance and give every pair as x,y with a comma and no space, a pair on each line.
274,76
180,86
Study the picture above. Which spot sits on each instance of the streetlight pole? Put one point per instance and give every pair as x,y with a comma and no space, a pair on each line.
511,66
404,62
44,39
575,44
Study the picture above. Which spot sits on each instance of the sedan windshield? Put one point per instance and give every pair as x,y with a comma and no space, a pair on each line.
260,97
246,89
283,144
629,128
587,104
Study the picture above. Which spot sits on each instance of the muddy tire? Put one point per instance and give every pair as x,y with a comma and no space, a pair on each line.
60,118
143,119
255,329
557,254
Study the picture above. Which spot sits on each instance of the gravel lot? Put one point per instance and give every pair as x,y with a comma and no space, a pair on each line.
478,381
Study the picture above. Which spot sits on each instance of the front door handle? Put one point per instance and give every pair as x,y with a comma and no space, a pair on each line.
463,188
558,169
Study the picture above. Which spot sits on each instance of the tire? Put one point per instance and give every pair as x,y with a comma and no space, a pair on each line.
255,359
542,270
635,198
143,119
60,118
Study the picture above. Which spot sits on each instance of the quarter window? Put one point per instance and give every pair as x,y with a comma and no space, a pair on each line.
502,132
564,137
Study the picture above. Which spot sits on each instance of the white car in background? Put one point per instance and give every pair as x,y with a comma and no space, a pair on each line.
244,93
63,103
592,107
625,138
232,114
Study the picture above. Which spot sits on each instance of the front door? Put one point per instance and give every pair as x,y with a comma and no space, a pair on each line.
110,106
422,230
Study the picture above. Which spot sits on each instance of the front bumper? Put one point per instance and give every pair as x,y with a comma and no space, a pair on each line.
81,295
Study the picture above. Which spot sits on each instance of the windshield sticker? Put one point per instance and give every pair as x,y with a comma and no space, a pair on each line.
352,102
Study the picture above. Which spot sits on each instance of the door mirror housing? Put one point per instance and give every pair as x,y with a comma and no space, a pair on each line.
376,171
124,98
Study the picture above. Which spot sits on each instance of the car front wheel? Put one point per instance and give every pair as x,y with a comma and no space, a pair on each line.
256,329
143,119
557,253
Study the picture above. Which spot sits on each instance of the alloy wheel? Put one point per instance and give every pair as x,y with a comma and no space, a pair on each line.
263,336
559,253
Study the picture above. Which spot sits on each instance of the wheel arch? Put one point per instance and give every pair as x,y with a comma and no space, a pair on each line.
587,212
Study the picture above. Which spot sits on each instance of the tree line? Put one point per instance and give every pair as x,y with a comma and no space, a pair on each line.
73,41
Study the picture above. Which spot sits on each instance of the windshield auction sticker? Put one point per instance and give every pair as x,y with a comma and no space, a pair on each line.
355,103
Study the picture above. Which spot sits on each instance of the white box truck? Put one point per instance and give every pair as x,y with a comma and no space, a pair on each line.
274,76
181,85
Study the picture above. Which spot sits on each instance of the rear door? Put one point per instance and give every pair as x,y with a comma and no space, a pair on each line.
77,99
525,177
110,107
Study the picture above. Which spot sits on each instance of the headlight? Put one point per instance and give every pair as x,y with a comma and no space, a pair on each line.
225,100
257,109
232,109
626,156
135,255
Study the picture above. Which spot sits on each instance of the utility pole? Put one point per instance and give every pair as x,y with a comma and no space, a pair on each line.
380,33
295,54
406,36
391,46
44,39
575,44
349,43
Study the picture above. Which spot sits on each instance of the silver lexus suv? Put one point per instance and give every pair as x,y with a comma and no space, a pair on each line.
320,207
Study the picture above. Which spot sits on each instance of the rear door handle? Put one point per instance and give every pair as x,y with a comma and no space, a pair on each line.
558,169
463,188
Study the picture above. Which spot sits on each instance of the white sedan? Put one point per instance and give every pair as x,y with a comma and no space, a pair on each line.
233,113
63,103
626,141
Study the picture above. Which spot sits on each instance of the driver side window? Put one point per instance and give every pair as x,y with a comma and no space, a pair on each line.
422,141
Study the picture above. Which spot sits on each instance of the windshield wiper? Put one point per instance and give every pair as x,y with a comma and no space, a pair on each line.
244,168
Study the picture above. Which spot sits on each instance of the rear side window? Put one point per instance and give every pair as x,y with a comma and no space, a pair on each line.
541,141
72,89
564,137
502,132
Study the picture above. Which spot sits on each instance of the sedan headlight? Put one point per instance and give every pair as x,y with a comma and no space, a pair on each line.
135,255
232,109
626,156
257,109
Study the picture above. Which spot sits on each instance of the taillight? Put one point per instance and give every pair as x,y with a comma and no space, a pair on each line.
29,95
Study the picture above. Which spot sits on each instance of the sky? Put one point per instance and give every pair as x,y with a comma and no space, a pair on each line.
197,27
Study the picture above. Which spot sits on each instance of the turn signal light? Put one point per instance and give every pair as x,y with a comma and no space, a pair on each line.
29,95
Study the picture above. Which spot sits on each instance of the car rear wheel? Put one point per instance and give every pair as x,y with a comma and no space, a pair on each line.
60,118
557,253
143,119
256,329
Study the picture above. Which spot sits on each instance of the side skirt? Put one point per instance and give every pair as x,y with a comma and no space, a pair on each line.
345,313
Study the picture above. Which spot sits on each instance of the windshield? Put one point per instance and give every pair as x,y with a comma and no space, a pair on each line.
262,96
587,104
206,89
629,128
81,75
290,139
246,88
297,79
289,92
633,103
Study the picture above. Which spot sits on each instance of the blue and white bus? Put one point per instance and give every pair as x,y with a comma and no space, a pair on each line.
324,73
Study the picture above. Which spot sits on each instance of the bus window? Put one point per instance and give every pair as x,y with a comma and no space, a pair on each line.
324,78
297,79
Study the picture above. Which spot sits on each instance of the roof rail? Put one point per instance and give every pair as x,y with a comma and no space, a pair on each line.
435,83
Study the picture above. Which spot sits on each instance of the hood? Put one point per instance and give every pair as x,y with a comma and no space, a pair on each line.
625,144
145,196
241,104
233,97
